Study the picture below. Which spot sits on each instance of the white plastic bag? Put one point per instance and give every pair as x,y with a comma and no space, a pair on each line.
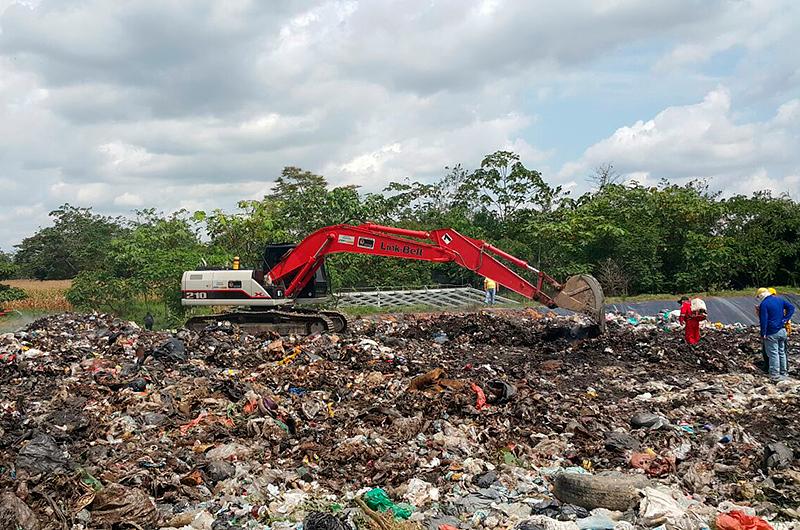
698,306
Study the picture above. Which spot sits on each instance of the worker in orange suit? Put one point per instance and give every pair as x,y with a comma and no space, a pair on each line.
691,321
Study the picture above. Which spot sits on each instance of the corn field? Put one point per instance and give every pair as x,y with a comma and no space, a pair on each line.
42,295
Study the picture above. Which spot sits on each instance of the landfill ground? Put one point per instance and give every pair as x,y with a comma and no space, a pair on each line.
470,420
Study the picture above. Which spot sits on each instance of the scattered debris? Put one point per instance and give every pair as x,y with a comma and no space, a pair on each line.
487,420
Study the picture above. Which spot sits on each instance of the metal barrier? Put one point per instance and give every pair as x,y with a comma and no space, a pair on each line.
438,297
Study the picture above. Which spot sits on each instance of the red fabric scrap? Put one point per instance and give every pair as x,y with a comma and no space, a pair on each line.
737,520
480,401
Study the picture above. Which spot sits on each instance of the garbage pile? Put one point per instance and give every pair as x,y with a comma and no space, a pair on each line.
505,419
665,320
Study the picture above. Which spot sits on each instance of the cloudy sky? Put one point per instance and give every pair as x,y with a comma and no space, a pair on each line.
196,103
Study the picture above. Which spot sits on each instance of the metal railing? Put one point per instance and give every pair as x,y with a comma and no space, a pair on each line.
436,297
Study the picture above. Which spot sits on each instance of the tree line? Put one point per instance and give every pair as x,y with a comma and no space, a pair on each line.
634,238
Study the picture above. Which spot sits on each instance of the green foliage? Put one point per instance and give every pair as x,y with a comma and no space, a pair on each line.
8,293
101,291
708,261
77,240
245,232
505,185
764,233
358,270
636,239
7,267
144,264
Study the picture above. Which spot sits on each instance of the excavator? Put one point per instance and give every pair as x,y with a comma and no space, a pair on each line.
280,295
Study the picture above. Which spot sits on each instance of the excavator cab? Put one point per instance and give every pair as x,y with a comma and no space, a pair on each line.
318,288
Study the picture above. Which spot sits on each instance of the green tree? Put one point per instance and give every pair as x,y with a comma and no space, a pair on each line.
505,185
77,241
306,203
8,270
145,264
246,232
7,267
707,263
764,231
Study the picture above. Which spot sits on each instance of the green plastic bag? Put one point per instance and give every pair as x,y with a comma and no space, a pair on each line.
379,500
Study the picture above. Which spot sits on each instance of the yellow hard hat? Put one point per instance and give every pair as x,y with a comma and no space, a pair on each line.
762,291
772,290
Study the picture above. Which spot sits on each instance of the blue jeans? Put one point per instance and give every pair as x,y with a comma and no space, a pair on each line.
775,345
489,296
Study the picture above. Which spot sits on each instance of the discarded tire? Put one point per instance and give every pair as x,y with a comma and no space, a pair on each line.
613,492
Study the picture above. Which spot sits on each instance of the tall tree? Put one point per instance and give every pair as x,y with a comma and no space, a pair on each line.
77,241
7,267
505,185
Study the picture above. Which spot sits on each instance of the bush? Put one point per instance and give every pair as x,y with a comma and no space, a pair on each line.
9,294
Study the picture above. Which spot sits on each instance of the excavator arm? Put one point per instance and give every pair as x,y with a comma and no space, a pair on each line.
580,293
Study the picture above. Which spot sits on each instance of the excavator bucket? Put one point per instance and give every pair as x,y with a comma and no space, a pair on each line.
582,293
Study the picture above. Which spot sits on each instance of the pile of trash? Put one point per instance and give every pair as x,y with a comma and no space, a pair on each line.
483,420
666,320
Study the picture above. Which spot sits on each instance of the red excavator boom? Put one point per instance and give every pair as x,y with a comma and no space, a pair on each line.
297,268
290,280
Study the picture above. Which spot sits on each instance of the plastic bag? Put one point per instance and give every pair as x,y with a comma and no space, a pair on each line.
116,504
480,397
698,305
542,522
172,350
501,391
777,455
323,521
378,500
642,420
42,455
420,493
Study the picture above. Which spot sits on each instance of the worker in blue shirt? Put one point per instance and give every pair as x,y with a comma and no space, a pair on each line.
773,314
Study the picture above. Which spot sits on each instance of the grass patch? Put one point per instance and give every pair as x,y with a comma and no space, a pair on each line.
163,319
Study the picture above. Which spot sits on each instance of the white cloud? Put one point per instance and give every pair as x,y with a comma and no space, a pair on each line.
705,140
169,104
426,153
128,199
749,24
91,193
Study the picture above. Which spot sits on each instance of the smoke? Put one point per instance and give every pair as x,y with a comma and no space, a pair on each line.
16,320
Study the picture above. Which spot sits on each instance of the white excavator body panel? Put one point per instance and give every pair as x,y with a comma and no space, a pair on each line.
225,288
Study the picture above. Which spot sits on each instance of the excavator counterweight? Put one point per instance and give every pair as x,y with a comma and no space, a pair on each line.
275,295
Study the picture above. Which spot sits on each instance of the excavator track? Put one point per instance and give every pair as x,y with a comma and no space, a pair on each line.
291,321
341,322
